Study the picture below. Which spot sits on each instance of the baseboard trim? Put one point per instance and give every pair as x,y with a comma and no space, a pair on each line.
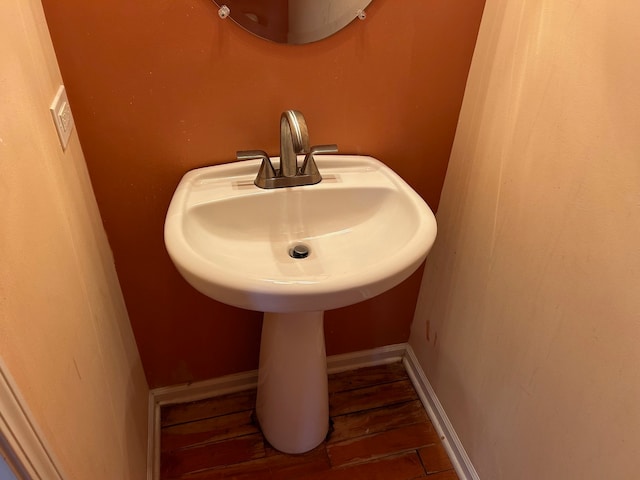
366,358
450,440
335,364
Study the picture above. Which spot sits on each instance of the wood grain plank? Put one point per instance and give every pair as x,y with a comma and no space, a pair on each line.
376,396
447,475
207,431
366,377
177,463
399,467
370,447
275,466
377,420
210,407
435,458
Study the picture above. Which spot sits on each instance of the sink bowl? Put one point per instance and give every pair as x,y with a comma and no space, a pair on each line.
364,228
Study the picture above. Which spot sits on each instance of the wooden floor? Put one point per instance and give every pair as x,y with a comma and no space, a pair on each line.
380,432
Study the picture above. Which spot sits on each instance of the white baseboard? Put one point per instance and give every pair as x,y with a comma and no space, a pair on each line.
335,363
366,358
450,440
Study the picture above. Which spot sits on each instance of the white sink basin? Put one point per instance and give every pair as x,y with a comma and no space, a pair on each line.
365,228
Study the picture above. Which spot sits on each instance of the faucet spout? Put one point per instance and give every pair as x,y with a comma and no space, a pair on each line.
294,139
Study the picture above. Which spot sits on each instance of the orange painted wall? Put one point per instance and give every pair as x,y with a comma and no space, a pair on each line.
161,87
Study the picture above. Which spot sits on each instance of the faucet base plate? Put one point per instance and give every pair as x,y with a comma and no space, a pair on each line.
281,182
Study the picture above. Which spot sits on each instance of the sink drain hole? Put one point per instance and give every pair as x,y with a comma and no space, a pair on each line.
299,251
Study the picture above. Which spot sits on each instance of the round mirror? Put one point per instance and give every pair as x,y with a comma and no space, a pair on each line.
292,21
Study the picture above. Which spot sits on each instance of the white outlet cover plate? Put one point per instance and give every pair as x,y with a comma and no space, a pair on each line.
62,117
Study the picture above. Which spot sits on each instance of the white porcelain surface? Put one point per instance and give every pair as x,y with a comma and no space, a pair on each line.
292,405
366,229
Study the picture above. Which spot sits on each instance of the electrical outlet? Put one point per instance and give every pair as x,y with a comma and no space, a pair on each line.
62,118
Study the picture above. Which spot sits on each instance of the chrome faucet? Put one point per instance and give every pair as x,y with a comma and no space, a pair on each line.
294,140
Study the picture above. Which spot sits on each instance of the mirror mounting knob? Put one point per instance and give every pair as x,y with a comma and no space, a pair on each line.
224,12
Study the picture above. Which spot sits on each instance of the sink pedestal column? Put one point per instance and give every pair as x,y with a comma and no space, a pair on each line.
293,401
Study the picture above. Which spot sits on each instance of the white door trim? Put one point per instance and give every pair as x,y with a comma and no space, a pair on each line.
20,438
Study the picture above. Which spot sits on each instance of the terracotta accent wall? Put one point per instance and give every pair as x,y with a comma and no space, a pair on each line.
65,338
162,87
529,318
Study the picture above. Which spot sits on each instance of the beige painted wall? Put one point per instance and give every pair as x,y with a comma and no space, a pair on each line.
528,324
64,331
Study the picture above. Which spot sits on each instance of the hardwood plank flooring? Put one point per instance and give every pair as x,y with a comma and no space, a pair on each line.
380,431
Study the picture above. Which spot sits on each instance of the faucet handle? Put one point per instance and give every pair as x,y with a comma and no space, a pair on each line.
266,171
333,148
309,165
251,155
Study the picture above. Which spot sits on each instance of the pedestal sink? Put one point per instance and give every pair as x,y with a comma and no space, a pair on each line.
293,253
